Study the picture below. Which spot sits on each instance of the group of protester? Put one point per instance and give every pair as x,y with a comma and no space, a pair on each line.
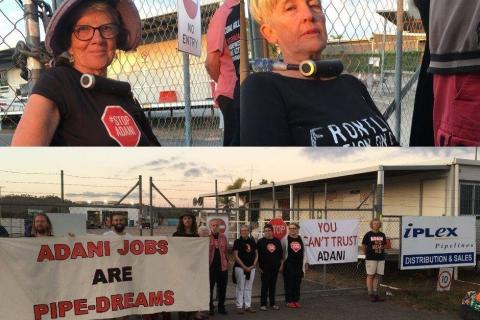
268,255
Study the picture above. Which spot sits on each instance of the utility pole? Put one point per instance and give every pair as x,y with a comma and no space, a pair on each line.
1,201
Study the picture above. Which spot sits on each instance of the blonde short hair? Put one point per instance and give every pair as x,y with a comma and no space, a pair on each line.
261,10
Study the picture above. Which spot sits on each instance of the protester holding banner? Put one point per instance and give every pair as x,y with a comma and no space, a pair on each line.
42,226
245,253
373,244
270,262
223,63
294,266
218,266
187,227
284,108
118,226
83,36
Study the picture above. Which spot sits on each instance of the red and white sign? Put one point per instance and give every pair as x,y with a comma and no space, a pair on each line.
221,220
296,246
95,277
279,228
189,27
444,279
120,126
191,6
271,247
330,241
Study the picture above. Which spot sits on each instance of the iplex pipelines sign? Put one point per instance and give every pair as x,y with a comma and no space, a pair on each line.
434,242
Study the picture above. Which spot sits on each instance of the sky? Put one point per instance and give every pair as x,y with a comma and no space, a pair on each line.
352,18
105,174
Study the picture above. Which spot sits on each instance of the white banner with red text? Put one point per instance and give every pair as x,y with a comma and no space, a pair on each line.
330,241
95,277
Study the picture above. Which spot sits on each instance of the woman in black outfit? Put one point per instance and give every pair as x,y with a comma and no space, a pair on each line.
294,266
283,108
187,227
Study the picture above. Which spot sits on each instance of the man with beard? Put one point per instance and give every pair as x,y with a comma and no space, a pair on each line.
118,226
42,226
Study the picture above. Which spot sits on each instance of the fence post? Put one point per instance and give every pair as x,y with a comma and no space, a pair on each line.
326,192
216,196
186,97
379,193
237,215
398,70
33,41
140,209
62,189
244,68
273,198
150,208
291,204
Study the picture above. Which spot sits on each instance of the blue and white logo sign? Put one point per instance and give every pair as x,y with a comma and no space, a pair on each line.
435,242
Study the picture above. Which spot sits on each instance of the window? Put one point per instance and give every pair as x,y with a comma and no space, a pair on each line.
470,198
254,212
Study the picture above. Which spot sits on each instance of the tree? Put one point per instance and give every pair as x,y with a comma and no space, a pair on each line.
263,182
237,184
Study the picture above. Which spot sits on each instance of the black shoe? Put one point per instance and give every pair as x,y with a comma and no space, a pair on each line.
211,311
222,311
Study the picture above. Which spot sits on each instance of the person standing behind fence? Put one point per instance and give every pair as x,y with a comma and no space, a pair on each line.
218,267
455,65
187,227
223,66
245,253
284,108
83,37
270,263
42,226
294,266
373,244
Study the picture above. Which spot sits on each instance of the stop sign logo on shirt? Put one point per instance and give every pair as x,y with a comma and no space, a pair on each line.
191,6
279,228
120,126
296,246
271,247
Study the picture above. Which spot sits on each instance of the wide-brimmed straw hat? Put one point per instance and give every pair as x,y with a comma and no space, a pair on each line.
54,40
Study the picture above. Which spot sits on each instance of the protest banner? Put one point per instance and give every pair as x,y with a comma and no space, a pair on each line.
95,277
330,241
434,242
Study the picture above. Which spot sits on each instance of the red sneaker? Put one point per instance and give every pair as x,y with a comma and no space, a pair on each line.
291,305
297,304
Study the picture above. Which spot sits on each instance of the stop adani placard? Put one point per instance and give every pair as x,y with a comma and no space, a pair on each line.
434,242
94,277
330,241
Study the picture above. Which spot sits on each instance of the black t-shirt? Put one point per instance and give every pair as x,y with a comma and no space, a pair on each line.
188,235
375,242
216,263
232,36
84,117
270,254
295,252
246,251
285,111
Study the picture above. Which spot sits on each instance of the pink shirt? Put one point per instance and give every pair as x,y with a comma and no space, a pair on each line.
216,42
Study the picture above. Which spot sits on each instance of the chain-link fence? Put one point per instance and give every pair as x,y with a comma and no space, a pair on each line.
156,72
364,36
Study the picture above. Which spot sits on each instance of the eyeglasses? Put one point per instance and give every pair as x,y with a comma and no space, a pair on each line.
292,228
86,33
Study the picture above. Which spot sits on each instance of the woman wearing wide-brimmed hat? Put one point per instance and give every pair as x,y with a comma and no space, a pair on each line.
83,36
